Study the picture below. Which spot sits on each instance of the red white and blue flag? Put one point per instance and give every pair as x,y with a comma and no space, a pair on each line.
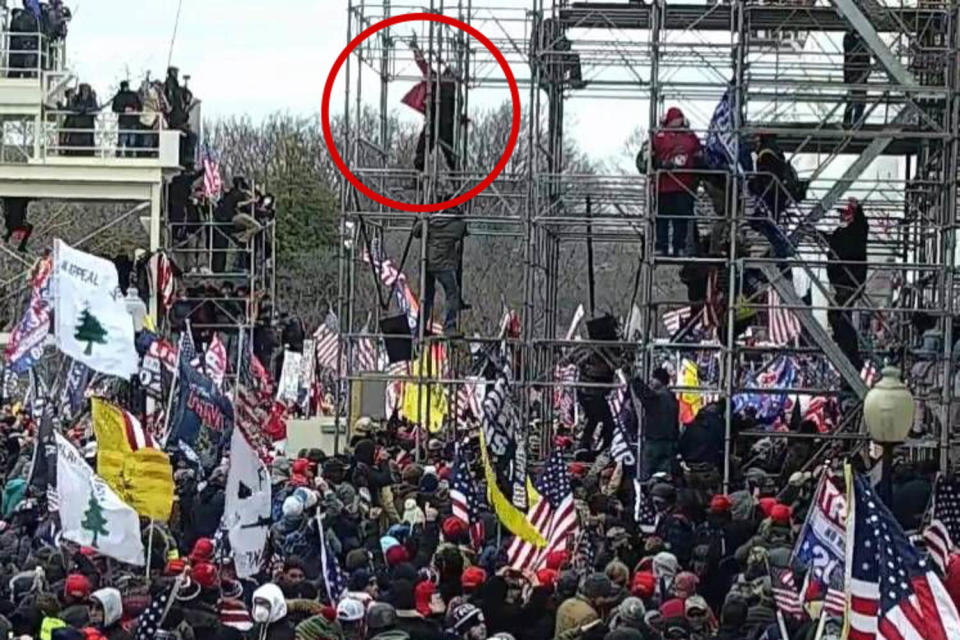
894,593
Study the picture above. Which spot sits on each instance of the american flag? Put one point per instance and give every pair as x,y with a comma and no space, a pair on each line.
818,411
673,320
644,513
713,307
869,373
944,525
164,287
137,437
215,360
366,353
334,579
327,341
252,402
783,324
233,613
212,182
187,349
553,516
394,391
894,593
463,497
784,587
152,618
565,393
584,551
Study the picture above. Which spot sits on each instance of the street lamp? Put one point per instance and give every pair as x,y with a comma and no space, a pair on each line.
888,413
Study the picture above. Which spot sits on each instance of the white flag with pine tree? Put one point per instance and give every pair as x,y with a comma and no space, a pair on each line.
91,514
93,325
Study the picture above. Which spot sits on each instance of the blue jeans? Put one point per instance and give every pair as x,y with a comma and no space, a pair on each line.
451,291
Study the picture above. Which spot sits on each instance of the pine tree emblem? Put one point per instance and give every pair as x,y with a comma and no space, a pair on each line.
94,521
90,330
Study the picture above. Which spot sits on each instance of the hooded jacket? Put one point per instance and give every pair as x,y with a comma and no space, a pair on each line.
109,598
661,411
675,148
849,244
443,239
269,612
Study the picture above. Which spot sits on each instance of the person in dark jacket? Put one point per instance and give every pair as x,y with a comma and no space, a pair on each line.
702,440
84,107
408,618
675,149
733,617
847,272
438,100
661,422
596,368
127,106
856,70
444,236
768,185
15,220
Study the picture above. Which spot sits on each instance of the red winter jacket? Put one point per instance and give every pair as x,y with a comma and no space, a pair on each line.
675,149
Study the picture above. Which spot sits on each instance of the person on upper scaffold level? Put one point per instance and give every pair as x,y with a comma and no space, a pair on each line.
675,149
438,100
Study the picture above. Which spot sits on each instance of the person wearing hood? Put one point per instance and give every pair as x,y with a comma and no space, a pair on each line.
733,617
847,273
445,235
675,151
269,614
661,422
631,614
106,611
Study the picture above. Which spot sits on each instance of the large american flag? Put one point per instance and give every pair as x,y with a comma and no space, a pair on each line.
463,497
212,183
553,516
644,513
944,527
893,592
334,579
252,401
565,393
151,620
366,353
673,320
783,324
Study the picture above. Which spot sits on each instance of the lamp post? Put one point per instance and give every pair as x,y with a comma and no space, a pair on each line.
888,413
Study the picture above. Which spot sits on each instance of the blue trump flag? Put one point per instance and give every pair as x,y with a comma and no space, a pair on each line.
201,409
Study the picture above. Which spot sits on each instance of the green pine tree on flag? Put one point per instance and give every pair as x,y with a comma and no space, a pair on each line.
90,330
94,521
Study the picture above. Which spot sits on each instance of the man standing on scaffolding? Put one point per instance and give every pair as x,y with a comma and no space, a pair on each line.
856,70
444,85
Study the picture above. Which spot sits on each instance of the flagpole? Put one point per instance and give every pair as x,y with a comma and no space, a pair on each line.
149,548
821,624
173,385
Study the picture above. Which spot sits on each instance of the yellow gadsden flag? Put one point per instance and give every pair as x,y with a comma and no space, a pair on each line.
425,404
512,518
129,462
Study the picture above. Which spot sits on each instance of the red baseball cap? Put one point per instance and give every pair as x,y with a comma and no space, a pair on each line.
473,577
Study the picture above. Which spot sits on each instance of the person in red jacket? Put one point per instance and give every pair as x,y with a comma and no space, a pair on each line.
675,150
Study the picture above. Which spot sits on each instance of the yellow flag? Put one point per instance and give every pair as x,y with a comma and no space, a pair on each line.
425,404
512,518
142,477
148,483
690,402
109,426
149,324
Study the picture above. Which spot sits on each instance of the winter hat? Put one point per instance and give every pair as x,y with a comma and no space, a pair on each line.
350,610
685,585
694,603
306,496
663,491
358,580
556,560
465,616
77,586
644,584
632,611
665,565
412,514
547,577
780,514
205,575
473,577
381,615
596,586
429,482
318,628
673,113
356,559
720,503
292,507
202,550
397,554
453,528
422,593
387,543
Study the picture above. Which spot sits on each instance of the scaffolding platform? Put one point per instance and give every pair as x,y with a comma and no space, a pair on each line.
821,138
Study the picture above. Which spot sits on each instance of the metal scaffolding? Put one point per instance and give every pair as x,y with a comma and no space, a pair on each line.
780,69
